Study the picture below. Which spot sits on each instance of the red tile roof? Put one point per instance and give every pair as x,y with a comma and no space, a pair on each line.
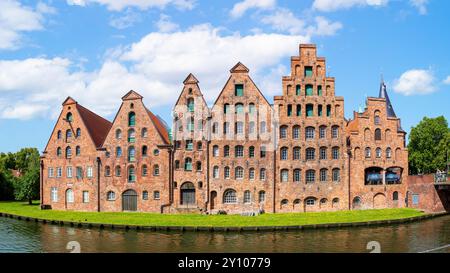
160,127
97,126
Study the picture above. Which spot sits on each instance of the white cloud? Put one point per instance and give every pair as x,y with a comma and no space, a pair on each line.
421,5
240,8
333,5
447,80
415,82
16,18
155,66
284,20
125,21
164,24
118,5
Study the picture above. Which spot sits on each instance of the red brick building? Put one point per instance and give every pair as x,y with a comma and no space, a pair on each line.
242,155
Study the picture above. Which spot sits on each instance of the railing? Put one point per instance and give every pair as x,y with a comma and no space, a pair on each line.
441,178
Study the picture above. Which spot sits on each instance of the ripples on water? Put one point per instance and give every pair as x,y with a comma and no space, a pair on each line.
21,236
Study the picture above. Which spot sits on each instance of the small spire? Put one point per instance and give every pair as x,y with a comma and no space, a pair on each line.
384,95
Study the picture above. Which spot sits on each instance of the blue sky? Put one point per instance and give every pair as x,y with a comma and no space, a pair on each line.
97,50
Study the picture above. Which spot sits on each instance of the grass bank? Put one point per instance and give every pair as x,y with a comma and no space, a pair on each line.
192,220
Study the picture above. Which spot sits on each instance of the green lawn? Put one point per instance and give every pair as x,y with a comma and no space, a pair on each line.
153,219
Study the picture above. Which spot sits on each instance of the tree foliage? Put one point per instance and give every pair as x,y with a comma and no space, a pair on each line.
429,146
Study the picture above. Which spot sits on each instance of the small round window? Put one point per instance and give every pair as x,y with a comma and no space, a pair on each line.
156,152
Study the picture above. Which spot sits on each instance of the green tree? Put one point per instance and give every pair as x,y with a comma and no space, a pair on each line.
27,185
429,146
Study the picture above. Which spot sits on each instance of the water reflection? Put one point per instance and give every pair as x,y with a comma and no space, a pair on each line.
20,236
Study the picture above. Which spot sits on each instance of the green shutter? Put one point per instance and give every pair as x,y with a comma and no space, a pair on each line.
309,90
319,90
308,71
239,90
132,119
191,105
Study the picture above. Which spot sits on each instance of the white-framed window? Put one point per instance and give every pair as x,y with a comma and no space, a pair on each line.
284,175
229,197
262,174
69,172
322,131
336,175
323,175
239,151
284,153
54,194
310,176
310,154
309,133
297,175
262,196
335,151
85,197
296,132
215,151
310,202
227,172
239,173
226,151
388,153
69,196
335,132
323,153
239,127
51,172
156,195
247,197
251,174
297,153
415,199
59,172
89,172
251,151
145,195
378,152
283,131
111,196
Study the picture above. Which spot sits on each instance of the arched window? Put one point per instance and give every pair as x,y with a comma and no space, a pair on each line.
118,134
262,152
335,152
322,131
188,164
368,152
131,154
215,151
239,151
319,110
261,196
190,124
309,90
335,201
144,170
226,151
284,175
336,175
144,150
310,153
309,110
251,151
216,172
251,174
131,136
377,134
284,153
310,201
144,132
283,131
251,127
118,151
296,132
107,170
156,170
310,176
319,90
69,117
262,174
298,90
198,166
156,152
378,152
247,197
335,131
59,134
118,171
131,119
323,175
111,196
251,108
262,127
229,197
239,108
68,134
145,195
297,153
226,108
68,152
356,202
309,134
58,151
78,134
377,120
215,128
323,153
284,202
69,196
297,175
388,152
77,150
226,172
131,174
239,173
395,196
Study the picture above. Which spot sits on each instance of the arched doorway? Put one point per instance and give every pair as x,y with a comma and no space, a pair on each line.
129,200
213,199
187,193
379,201
356,203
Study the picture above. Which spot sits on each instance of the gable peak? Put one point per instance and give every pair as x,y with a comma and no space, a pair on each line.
239,68
132,95
190,79
69,101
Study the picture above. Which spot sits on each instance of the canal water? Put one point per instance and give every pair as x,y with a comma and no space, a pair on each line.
21,236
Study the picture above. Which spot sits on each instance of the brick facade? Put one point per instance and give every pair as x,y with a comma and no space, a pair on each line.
241,155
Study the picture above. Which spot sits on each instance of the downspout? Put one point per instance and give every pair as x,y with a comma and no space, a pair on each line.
42,184
99,162
207,177
171,156
349,179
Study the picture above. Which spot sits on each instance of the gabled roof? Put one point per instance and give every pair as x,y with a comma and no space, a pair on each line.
97,126
159,125
68,101
132,95
239,68
190,79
